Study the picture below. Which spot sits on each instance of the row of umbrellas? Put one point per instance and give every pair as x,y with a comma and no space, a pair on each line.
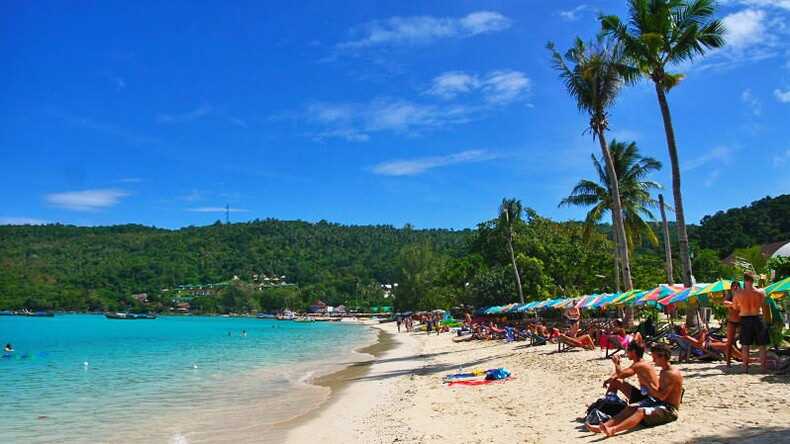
663,295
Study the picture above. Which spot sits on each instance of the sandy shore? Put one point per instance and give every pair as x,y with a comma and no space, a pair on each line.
400,397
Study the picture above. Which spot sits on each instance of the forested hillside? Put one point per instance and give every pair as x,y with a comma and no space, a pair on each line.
98,268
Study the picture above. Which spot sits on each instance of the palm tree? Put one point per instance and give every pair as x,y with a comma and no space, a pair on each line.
635,194
509,216
594,77
659,34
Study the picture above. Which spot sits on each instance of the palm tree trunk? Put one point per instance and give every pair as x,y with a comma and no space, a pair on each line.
515,267
683,239
667,245
616,210
617,274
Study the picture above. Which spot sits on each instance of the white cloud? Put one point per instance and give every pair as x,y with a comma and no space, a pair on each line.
753,102
217,210
425,29
505,86
21,221
413,167
719,154
573,14
355,121
744,28
782,96
86,200
497,87
452,83
189,116
782,4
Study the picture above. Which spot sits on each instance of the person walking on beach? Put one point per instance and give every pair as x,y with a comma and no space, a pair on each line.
750,302
398,321
644,372
660,407
733,320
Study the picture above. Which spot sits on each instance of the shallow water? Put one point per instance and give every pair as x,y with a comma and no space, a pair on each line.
84,378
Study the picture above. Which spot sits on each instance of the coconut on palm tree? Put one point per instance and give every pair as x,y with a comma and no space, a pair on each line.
509,216
635,194
659,35
593,75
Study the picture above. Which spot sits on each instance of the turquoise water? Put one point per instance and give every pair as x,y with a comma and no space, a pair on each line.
84,378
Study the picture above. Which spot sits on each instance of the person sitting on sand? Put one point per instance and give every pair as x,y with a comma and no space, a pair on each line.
644,371
661,407
705,342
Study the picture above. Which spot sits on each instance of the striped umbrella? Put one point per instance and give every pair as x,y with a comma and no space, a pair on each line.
720,286
778,290
659,292
580,303
687,295
605,300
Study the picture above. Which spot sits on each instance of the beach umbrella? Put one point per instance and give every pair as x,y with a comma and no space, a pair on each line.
687,295
626,298
593,299
777,290
604,300
719,286
659,292
580,303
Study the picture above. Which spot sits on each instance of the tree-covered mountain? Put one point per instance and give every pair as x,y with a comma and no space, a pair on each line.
99,268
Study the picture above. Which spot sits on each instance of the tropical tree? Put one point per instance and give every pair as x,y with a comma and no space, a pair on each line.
635,193
509,216
593,75
658,35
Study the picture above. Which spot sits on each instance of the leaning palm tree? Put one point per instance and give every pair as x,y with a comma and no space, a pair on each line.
593,75
509,216
635,195
660,34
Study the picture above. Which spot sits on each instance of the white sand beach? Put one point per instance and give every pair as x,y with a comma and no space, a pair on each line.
401,398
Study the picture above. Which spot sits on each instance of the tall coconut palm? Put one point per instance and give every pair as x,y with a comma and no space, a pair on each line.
593,75
509,216
635,193
660,34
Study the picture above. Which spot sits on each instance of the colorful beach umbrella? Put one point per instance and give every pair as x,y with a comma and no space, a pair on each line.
687,295
659,292
720,286
777,290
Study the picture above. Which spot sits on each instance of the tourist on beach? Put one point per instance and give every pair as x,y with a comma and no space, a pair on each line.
733,320
644,372
398,321
572,315
9,348
749,302
660,407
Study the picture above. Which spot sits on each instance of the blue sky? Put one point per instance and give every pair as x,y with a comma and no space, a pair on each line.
356,112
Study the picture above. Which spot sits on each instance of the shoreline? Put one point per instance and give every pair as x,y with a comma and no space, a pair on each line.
358,390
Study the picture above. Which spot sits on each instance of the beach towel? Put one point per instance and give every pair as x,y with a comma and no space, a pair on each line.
477,382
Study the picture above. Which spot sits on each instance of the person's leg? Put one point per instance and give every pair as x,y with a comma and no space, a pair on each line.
626,424
746,357
730,341
763,354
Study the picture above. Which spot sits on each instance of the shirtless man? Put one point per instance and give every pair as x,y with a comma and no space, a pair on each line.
644,372
750,302
661,407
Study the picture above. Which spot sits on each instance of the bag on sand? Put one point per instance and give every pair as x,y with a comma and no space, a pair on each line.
610,405
596,417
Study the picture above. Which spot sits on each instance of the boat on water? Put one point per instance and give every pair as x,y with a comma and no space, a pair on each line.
304,319
129,316
286,315
266,316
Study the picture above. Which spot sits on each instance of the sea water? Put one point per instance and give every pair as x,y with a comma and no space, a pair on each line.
85,378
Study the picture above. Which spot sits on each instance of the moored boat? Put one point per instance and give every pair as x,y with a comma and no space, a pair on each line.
129,316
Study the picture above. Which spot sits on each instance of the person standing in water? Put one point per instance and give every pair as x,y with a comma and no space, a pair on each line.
9,348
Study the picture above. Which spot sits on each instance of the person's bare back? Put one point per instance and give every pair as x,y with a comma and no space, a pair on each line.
750,301
646,374
672,380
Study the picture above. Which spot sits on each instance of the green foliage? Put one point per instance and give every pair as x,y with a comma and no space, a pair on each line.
763,221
